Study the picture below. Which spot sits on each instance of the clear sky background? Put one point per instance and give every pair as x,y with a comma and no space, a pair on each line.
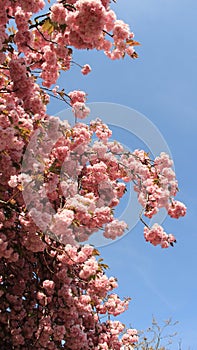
161,84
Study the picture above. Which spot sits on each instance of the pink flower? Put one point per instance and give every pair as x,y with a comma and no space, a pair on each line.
86,69
115,229
62,221
49,286
58,13
80,110
13,182
59,332
89,268
157,236
130,337
77,96
176,209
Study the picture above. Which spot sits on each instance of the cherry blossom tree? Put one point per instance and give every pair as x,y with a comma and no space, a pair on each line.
59,184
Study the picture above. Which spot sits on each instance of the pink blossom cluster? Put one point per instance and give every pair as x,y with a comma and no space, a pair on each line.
156,235
22,11
115,229
86,69
23,37
93,173
24,86
85,179
47,42
176,209
53,301
131,335
87,23
154,181
77,101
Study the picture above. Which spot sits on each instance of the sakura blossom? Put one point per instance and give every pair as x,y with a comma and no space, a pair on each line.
60,183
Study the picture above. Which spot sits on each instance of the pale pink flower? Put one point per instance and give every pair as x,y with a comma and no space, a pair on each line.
80,110
176,209
115,229
13,182
86,69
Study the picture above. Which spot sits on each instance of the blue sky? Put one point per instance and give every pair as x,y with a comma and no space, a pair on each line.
161,84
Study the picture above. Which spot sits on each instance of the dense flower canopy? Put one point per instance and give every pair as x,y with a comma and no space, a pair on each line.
59,183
